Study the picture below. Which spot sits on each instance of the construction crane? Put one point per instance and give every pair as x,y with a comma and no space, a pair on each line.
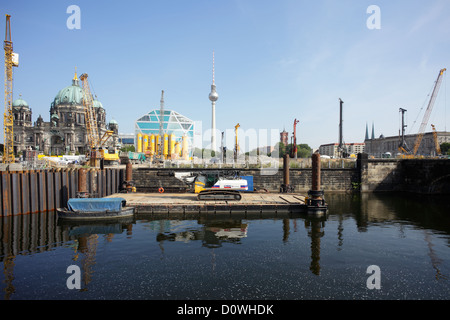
236,145
294,143
11,60
160,142
342,150
91,119
436,141
403,147
428,111
96,143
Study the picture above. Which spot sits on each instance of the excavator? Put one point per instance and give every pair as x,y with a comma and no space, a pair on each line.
214,185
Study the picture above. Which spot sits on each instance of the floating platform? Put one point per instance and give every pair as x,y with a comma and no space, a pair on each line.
184,205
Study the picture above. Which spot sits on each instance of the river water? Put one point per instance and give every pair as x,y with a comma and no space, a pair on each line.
373,246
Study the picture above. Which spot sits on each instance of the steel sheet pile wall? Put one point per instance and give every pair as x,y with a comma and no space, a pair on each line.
22,234
32,191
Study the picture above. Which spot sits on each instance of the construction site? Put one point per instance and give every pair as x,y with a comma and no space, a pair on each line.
54,161
226,151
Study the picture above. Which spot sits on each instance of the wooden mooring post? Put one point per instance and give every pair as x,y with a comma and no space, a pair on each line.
315,201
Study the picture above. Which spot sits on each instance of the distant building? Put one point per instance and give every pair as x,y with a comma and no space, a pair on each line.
66,131
265,150
126,139
173,123
381,146
332,149
284,137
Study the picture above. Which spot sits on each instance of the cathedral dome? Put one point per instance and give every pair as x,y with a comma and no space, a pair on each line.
73,95
97,104
70,95
20,103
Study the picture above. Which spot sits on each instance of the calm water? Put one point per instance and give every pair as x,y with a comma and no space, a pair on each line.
406,236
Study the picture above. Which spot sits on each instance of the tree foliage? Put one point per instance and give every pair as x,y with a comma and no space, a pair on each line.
303,150
445,148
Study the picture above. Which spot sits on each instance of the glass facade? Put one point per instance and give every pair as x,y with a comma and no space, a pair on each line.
173,123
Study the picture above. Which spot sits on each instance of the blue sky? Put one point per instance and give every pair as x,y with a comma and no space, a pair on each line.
274,61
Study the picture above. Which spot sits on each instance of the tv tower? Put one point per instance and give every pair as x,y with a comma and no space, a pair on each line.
213,96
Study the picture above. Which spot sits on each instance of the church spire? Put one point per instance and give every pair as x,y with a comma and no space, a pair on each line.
75,78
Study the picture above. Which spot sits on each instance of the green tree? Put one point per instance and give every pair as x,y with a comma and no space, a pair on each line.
303,151
445,148
203,153
128,148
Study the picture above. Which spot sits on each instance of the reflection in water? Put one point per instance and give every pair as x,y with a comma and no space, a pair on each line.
286,230
86,236
25,234
315,227
435,260
212,233
87,246
8,270
340,232
35,233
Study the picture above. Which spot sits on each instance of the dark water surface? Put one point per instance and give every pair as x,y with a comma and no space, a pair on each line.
405,236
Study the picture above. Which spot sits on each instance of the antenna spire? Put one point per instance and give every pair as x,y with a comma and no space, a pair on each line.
213,82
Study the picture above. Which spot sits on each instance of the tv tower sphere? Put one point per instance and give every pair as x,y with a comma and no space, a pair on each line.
213,96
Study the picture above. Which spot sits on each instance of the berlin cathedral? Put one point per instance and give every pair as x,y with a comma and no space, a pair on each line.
65,133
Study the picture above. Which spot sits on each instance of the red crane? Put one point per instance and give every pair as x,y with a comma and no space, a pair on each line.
294,146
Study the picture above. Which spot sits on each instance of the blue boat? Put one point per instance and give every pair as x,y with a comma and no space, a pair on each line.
95,209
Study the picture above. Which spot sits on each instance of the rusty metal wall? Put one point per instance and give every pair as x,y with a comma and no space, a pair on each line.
29,233
32,191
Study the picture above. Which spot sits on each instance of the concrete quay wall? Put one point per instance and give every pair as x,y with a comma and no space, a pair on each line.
427,176
151,179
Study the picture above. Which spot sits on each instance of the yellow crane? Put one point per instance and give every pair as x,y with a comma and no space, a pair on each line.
96,142
436,141
91,119
11,60
236,145
428,111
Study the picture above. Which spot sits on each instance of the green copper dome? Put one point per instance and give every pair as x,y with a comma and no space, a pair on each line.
72,95
20,103
97,104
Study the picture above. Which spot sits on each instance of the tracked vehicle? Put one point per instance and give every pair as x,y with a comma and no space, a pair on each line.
214,185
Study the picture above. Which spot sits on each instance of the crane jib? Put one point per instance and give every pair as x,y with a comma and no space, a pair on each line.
426,116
